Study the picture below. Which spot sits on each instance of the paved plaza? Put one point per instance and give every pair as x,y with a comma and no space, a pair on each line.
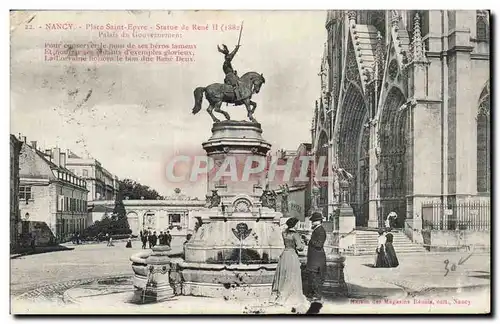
36,284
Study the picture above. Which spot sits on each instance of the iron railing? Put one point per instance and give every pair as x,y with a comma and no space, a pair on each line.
473,215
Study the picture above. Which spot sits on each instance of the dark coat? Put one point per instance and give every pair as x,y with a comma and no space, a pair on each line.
390,254
316,258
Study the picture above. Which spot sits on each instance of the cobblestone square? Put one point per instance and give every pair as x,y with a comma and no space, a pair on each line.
36,281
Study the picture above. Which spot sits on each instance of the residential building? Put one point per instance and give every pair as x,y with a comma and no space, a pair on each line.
101,184
15,150
52,199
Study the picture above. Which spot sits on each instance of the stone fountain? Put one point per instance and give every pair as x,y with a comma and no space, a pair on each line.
234,253
239,243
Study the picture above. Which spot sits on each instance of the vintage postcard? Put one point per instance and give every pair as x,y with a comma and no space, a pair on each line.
250,162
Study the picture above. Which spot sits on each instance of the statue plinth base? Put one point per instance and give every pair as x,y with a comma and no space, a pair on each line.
235,147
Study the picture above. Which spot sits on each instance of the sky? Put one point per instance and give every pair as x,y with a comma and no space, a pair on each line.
133,116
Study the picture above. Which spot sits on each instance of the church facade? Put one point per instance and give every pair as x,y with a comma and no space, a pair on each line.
405,109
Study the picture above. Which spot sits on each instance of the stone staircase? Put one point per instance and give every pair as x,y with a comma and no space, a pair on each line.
366,243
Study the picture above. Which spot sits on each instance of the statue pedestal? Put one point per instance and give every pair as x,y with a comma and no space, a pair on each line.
235,147
151,279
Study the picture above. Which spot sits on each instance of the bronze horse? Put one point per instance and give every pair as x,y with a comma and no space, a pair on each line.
217,93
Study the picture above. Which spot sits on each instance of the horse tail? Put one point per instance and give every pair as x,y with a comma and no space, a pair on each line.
198,99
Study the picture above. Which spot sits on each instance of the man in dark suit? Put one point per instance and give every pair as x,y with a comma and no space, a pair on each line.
316,258
168,238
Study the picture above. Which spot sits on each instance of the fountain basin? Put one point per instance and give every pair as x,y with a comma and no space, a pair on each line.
235,281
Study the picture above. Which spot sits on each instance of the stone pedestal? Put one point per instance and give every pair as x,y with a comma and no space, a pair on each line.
235,252
233,147
373,213
334,284
151,279
347,220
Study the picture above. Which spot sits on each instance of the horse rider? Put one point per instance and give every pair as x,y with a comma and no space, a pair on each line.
231,75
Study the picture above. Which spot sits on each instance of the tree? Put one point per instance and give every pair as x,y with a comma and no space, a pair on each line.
134,190
119,210
118,224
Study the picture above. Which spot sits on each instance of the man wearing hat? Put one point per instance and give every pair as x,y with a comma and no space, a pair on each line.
316,258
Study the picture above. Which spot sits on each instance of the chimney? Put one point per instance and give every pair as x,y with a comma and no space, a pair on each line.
62,159
56,156
48,153
33,144
23,139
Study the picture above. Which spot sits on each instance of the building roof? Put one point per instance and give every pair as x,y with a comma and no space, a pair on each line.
72,155
74,160
52,165
34,164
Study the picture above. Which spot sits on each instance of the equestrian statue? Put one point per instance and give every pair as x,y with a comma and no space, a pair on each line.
234,90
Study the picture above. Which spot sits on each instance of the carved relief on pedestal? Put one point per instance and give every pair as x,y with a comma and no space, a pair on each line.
242,205
268,198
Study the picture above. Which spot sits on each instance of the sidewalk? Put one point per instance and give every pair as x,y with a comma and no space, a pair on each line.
425,272
38,250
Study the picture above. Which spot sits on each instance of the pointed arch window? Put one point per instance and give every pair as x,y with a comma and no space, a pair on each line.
482,25
483,142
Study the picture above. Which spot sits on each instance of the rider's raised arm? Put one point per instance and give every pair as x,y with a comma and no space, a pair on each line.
231,55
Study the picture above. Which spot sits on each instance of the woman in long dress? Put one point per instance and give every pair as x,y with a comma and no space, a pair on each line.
390,253
380,259
287,283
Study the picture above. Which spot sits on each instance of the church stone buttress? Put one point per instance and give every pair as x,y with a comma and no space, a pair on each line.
399,87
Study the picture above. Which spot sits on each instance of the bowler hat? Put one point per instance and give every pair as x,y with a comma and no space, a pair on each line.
291,222
316,216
